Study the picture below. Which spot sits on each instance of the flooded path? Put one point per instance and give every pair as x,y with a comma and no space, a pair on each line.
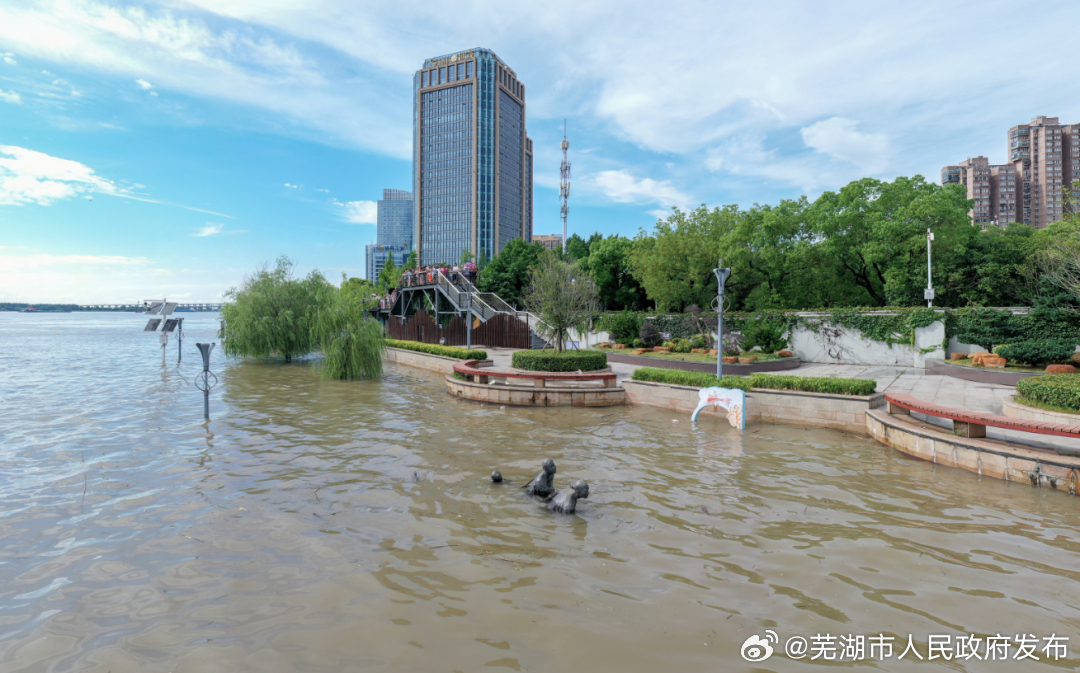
330,526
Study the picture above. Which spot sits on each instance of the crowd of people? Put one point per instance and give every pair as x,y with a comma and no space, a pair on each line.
427,275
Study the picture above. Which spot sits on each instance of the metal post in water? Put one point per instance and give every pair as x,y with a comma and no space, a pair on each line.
202,381
179,339
928,295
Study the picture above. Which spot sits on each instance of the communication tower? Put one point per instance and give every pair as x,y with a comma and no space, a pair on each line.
564,184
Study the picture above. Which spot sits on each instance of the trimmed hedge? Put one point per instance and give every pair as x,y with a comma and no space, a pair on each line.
680,377
1037,352
834,386
435,349
550,361
815,384
1062,390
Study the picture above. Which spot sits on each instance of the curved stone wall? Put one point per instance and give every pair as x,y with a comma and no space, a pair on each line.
1010,407
531,396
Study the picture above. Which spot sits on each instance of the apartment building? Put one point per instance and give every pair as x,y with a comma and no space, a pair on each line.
1043,158
550,242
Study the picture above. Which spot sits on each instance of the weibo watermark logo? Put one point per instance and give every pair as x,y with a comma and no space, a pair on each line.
756,648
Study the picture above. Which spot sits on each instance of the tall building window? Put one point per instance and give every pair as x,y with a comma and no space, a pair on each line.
442,75
450,74
425,82
468,69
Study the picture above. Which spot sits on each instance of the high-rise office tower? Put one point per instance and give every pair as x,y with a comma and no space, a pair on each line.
472,159
393,232
1043,159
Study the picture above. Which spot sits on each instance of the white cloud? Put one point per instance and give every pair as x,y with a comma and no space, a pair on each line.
840,138
144,84
153,93
86,279
359,212
210,229
9,58
27,176
292,186
621,186
10,96
659,213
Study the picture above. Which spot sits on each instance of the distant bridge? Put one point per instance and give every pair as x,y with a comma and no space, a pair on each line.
139,307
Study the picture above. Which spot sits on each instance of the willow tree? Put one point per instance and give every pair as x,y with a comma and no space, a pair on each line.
270,315
351,341
563,295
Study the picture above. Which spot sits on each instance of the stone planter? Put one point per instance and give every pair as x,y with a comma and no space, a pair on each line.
980,375
1013,409
709,367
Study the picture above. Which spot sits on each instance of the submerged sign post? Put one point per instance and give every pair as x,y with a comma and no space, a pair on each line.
732,399
202,381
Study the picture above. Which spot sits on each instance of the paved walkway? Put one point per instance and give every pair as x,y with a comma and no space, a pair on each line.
944,390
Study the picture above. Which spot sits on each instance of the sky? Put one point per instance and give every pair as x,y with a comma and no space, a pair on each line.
166,149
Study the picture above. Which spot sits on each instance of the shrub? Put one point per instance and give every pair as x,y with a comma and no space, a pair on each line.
638,343
986,327
622,327
669,344
812,384
435,349
1040,352
1062,390
765,333
697,341
835,386
679,377
680,346
650,336
566,361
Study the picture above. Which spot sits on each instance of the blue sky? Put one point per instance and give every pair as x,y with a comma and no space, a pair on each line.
166,149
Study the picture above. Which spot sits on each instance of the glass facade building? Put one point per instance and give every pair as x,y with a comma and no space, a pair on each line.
394,232
472,159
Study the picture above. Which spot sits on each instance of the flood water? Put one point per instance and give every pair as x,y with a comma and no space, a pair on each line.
334,526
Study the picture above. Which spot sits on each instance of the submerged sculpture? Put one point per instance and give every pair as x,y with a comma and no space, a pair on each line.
543,484
566,501
731,399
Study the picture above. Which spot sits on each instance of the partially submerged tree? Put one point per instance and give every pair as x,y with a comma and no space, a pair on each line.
270,314
564,297
351,341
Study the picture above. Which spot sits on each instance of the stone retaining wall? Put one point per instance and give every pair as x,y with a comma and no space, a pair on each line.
840,412
531,396
436,363
1013,409
988,457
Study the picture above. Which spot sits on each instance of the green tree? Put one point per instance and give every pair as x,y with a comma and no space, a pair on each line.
411,262
466,256
608,263
508,274
351,341
482,260
563,295
271,314
578,248
358,290
389,275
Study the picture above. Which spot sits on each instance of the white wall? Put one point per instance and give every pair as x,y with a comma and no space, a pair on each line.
833,344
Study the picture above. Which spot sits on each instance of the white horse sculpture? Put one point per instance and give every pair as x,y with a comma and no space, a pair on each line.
734,400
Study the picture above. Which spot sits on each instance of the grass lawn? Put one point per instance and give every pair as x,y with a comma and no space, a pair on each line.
686,357
1044,406
966,362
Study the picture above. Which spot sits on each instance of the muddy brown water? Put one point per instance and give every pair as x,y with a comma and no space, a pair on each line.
331,526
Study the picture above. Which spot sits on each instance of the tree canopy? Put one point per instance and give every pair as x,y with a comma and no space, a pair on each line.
508,273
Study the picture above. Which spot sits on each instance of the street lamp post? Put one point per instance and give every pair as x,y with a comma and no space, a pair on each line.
468,316
928,294
721,278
